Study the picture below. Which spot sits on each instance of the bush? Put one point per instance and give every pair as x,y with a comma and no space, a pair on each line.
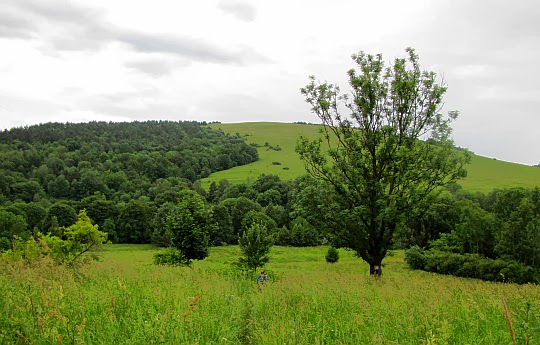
4,244
332,255
170,256
27,251
471,266
415,258
450,264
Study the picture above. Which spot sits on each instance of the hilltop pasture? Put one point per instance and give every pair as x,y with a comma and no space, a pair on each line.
124,299
484,174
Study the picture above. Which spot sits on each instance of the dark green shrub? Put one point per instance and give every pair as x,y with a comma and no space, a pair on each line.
489,269
332,255
468,269
515,272
4,244
170,256
471,266
415,258
451,264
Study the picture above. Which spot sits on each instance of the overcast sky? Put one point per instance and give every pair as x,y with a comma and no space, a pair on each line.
237,61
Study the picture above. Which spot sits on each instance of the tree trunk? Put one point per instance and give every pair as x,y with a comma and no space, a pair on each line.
375,268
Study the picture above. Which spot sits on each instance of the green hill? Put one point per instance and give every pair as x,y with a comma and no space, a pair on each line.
484,174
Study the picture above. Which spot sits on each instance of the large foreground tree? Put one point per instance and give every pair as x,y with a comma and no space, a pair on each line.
384,161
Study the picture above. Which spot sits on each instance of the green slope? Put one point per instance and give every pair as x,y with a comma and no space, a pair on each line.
484,174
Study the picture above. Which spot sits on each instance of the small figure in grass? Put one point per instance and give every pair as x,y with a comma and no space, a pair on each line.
262,278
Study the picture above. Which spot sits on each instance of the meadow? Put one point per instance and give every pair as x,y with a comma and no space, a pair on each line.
125,299
484,174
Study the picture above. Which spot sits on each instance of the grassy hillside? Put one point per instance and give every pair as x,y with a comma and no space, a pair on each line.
124,299
484,174
283,135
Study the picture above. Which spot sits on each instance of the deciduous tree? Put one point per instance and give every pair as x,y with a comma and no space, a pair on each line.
255,244
189,224
387,158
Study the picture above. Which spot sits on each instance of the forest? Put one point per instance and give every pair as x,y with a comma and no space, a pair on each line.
119,172
129,176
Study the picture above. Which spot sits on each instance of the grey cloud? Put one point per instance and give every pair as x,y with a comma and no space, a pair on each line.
155,68
240,10
13,25
61,25
60,11
188,47
183,46
483,47
64,27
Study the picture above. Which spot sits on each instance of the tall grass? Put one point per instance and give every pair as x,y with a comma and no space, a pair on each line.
124,299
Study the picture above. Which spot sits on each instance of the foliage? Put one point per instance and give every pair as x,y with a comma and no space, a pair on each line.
428,224
26,250
135,220
519,238
257,217
121,172
161,236
255,244
300,234
170,256
64,213
471,266
80,238
332,255
223,231
238,208
5,244
189,224
378,168
11,225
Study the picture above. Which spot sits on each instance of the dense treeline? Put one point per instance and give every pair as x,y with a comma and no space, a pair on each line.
268,201
492,237
98,155
119,172
129,178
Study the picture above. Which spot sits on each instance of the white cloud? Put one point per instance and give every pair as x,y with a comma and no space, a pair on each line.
240,10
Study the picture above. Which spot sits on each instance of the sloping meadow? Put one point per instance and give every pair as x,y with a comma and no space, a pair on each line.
124,299
483,174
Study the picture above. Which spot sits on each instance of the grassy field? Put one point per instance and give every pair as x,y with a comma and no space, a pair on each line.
484,174
124,299
275,134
